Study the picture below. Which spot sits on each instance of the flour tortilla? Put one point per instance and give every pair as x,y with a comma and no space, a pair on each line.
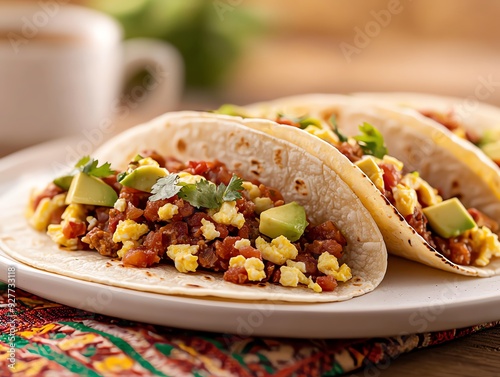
443,160
299,175
473,115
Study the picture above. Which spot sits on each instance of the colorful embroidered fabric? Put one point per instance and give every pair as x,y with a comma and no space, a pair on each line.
55,340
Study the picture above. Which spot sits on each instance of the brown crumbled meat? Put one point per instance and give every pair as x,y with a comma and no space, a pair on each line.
208,258
102,242
352,151
325,231
458,250
418,222
310,262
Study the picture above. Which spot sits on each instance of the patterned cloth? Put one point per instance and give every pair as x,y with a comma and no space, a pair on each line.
51,339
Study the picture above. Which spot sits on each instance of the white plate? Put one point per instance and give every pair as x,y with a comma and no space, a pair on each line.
412,298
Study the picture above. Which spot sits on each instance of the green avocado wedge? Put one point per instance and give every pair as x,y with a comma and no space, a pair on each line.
85,189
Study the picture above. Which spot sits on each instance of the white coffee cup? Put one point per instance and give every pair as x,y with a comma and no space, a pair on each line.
62,70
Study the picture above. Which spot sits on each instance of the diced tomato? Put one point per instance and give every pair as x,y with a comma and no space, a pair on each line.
74,229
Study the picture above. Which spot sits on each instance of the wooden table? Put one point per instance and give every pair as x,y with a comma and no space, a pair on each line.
475,355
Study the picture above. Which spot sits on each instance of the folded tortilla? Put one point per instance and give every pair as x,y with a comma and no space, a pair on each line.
297,173
443,160
468,113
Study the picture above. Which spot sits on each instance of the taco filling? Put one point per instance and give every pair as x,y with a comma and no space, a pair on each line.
464,236
196,216
488,142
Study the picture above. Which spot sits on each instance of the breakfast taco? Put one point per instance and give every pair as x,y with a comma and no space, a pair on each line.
435,201
199,204
467,118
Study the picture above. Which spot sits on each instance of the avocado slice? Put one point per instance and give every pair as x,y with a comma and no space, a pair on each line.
288,220
144,177
64,182
449,218
85,189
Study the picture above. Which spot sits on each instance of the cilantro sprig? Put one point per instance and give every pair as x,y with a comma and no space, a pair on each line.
200,194
371,141
90,166
335,126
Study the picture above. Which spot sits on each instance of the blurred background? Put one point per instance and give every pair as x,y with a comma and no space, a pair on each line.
241,51
249,50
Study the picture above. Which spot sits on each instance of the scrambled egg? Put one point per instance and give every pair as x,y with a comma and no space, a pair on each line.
486,243
329,265
254,194
148,161
292,276
252,190
120,205
92,221
41,217
55,232
208,230
183,257
406,199
228,215
278,251
75,213
301,266
253,266
261,204
242,243
129,230
393,161
185,177
428,195
324,134
167,211
127,245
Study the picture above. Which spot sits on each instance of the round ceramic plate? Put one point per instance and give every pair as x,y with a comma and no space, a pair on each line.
412,298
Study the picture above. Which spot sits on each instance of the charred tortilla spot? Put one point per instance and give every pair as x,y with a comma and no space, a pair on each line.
278,158
237,165
301,187
181,145
261,285
242,143
193,285
206,277
409,242
258,166
108,264
149,274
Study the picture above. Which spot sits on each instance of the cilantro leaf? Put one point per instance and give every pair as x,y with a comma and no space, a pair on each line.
371,141
165,187
200,194
340,135
92,168
232,191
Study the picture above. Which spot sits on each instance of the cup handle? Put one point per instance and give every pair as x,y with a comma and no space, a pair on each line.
158,92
